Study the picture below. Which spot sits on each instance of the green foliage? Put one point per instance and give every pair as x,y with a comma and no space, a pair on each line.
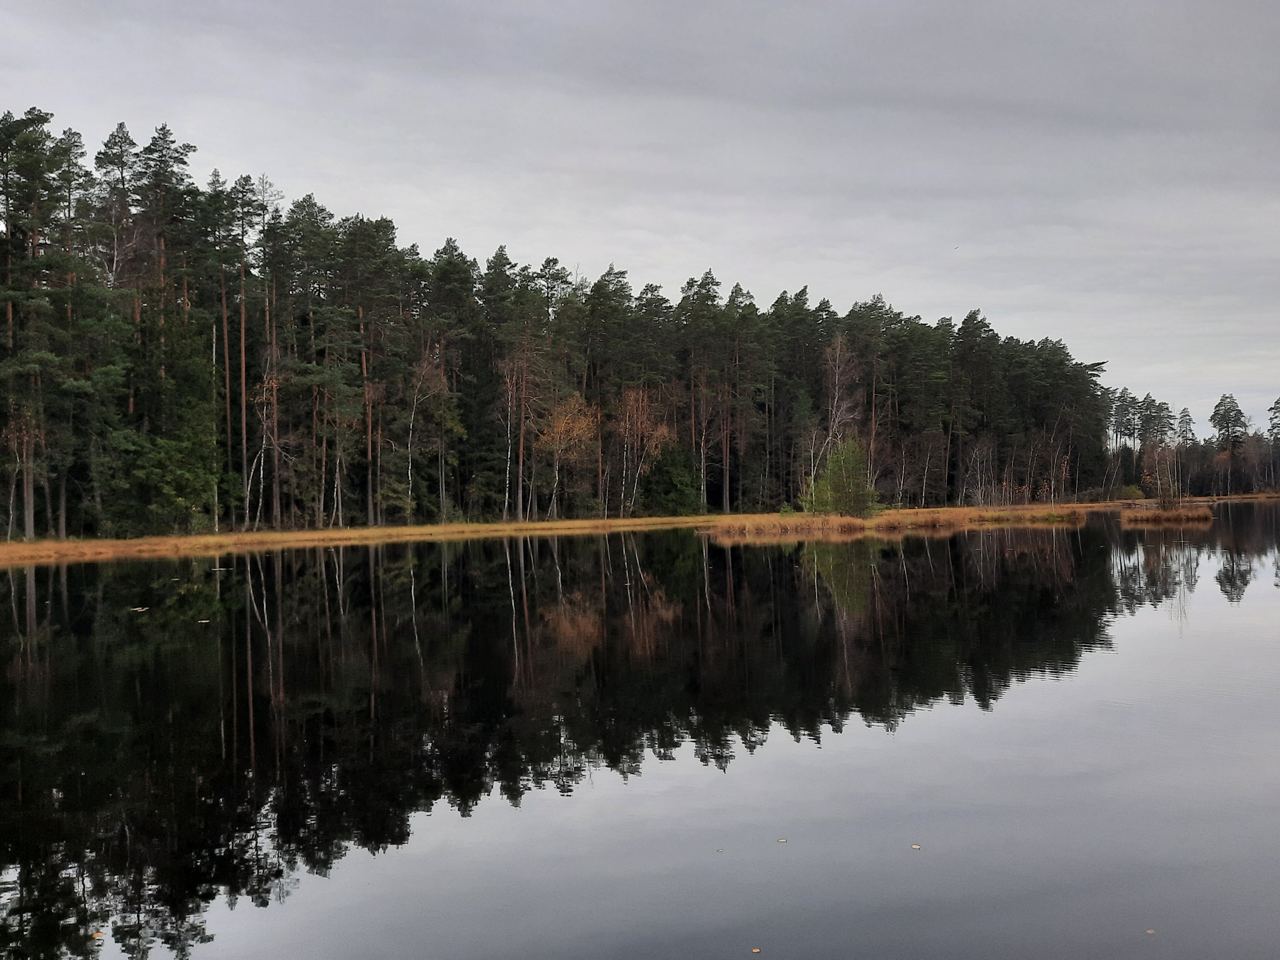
174,356
1230,422
670,488
841,484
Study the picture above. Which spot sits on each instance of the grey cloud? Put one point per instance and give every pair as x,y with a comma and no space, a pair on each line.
1100,172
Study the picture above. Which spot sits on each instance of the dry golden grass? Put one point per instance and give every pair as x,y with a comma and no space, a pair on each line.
42,552
761,529
1191,514
725,528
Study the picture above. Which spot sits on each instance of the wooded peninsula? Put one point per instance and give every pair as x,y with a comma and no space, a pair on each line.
185,359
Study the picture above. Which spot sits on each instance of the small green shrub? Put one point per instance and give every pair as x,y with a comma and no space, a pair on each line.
841,485
670,487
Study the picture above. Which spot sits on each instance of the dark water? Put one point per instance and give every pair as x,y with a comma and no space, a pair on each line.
593,748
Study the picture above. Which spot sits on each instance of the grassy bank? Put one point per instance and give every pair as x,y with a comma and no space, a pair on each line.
221,544
724,528
1191,514
768,528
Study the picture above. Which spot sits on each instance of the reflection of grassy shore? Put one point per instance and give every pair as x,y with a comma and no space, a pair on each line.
725,528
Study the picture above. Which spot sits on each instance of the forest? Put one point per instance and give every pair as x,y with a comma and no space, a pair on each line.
178,358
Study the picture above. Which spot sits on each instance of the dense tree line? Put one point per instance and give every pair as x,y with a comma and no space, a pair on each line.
177,357
1156,453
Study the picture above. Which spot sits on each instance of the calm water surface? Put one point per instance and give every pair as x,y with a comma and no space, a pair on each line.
651,746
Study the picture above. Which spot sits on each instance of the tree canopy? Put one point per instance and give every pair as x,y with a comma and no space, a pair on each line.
178,357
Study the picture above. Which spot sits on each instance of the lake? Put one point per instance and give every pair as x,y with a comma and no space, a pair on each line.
1001,743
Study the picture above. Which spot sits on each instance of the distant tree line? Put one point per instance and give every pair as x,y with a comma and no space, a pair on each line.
1156,453
176,358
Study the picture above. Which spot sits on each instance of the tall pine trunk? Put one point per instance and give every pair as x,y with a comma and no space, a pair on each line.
520,507
244,394
368,419
28,490
724,453
226,376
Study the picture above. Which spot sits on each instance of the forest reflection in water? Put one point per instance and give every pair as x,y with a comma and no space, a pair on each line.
178,732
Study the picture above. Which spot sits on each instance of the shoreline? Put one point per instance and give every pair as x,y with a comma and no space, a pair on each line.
729,529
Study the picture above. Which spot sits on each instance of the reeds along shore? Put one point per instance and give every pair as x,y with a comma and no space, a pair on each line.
942,521
1198,514
724,528
777,528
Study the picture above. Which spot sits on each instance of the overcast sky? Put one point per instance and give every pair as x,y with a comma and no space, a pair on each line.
1105,173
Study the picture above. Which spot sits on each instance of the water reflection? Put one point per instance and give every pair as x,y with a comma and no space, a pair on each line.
179,732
